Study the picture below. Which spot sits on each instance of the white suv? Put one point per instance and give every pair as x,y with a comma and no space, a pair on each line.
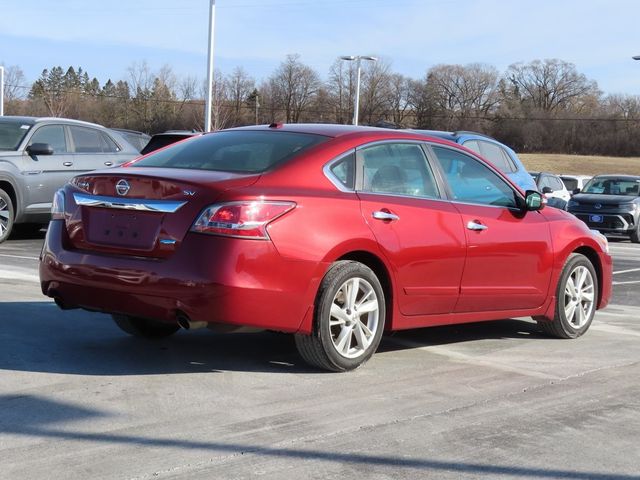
553,189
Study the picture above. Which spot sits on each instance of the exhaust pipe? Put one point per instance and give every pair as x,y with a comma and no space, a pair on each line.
185,322
62,304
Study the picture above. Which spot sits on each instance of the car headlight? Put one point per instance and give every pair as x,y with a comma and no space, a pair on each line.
573,203
628,207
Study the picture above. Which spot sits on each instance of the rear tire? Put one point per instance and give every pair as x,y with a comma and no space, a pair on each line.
576,299
144,328
349,319
7,216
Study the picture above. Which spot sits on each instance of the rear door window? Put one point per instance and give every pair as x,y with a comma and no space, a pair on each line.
90,140
398,169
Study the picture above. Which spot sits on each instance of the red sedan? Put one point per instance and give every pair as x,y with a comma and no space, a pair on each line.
333,233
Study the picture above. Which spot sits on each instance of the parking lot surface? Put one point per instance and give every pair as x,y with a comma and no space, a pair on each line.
79,399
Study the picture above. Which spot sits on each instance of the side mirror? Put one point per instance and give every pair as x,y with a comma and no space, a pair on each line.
575,191
40,149
533,200
547,190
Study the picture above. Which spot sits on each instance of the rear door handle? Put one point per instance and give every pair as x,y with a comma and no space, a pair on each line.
108,164
476,225
67,164
382,215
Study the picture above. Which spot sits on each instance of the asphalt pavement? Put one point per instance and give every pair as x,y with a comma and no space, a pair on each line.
497,400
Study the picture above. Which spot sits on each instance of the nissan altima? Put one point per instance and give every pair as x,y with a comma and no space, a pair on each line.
335,234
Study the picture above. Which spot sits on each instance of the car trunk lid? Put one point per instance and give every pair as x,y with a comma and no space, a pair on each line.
141,211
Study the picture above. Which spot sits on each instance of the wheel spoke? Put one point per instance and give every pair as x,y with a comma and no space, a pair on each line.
353,287
581,278
370,306
570,311
343,342
361,337
4,214
338,315
368,333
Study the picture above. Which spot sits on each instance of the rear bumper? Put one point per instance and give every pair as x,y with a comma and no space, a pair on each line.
209,278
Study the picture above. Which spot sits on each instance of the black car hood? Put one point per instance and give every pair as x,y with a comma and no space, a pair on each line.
592,198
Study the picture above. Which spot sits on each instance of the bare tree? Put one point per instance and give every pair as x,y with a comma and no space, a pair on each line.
293,87
463,91
375,92
14,83
341,87
239,86
551,85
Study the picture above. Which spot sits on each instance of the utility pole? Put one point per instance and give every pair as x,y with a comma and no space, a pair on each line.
358,59
1,91
210,78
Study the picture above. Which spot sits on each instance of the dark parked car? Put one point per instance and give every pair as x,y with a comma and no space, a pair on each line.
137,139
610,204
39,155
333,233
497,153
161,140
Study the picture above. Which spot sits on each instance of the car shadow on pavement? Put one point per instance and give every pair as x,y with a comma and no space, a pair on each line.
38,337
34,416
444,335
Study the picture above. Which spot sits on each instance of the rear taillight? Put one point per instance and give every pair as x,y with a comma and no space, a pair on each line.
240,219
57,207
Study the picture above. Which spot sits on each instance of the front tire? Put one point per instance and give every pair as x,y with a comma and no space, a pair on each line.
635,235
7,216
576,299
349,319
144,328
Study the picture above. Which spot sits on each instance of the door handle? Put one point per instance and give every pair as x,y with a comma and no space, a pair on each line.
382,215
108,164
476,225
67,164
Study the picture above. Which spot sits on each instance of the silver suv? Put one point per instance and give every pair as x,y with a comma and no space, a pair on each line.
39,155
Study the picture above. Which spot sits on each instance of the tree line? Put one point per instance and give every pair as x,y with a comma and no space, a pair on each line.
540,106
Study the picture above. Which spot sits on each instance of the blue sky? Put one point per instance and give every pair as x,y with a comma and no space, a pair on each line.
106,38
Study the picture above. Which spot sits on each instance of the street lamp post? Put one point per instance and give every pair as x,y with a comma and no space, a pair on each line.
358,59
1,90
210,72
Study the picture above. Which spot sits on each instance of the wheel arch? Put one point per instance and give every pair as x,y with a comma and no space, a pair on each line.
378,267
593,257
10,190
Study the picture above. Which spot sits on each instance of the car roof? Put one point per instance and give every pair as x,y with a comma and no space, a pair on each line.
35,120
326,129
624,176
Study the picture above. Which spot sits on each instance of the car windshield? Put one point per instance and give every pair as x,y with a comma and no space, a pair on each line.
11,134
244,151
613,186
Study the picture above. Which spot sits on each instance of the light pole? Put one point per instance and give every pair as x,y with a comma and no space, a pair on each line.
1,90
208,103
358,59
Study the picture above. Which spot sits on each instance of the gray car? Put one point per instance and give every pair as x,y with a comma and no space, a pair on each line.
39,155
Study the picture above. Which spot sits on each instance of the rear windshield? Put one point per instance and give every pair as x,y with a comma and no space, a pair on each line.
570,183
11,134
233,151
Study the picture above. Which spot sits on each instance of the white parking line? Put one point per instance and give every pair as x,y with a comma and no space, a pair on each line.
627,271
18,256
631,282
